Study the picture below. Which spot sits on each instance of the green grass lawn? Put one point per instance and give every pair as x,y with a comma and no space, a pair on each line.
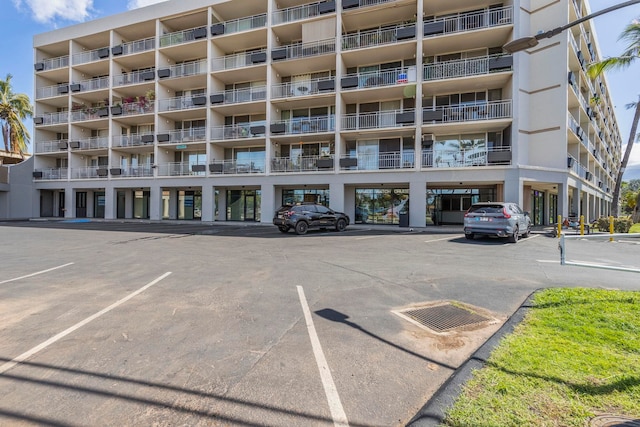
576,355
635,228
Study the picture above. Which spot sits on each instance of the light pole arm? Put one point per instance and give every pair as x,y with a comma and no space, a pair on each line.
531,41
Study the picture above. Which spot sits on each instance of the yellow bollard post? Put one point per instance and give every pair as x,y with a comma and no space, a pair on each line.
611,228
559,226
582,225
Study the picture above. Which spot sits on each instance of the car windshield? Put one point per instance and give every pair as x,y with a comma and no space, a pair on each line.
486,209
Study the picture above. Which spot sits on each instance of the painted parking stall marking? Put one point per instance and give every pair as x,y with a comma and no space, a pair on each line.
24,356
335,406
36,273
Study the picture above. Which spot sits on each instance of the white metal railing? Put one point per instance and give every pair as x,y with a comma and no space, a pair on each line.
178,103
186,135
237,131
237,60
177,169
244,24
94,143
48,91
304,50
53,173
90,56
132,78
91,113
295,13
140,107
137,171
131,140
374,120
54,63
178,37
299,164
384,160
191,68
138,46
84,172
363,3
458,68
250,94
300,88
370,38
479,111
55,118
230,167
301,125
94,84
50,146
381,78
475,156
491,17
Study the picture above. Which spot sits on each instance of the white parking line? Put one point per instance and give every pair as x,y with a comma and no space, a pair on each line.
335,406
24,356
439,240
35,274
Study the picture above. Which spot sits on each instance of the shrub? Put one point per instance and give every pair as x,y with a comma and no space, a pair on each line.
620,225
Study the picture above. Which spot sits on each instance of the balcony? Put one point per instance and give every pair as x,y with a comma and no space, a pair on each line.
296,13
50,146
90,113
464,113
238,25
186,69
85,172
51,173
233,167
53,118
134,77
182,103
182,136
467,67
135,171
53,63
376,120
239,60
377,79
303,88
373,38
298,126
378,161
137,46
302,164
463,22
238,96
132,140
98,83
90,56
143,106
239,131
178,169
455,158
181,37
303,50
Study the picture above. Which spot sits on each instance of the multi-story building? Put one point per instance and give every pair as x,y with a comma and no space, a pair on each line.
391,111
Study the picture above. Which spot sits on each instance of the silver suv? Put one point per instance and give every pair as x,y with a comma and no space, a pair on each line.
501,219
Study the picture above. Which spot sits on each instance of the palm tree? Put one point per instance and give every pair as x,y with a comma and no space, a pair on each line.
14,108
631,34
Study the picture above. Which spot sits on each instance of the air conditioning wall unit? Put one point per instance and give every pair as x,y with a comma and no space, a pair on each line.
428,137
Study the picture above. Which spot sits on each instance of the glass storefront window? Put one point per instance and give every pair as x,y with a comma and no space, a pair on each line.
309,195
381,205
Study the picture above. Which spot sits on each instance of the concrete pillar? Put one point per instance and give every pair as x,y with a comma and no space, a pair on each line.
90,203
513,188
267,203
563,199
70,204
155,203
110,203
336,197
208,204
222,204
129,200
575,200
417,204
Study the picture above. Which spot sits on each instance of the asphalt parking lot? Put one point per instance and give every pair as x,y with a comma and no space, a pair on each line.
107,323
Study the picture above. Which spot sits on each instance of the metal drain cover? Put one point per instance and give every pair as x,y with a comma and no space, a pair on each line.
614,421
442,318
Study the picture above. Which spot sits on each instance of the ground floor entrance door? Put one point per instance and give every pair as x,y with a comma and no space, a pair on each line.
81,204
121,201
98,204
46,203
61,207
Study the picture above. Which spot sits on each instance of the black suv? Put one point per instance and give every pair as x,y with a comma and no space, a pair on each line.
305,216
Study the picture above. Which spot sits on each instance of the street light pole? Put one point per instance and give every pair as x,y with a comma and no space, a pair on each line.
531,41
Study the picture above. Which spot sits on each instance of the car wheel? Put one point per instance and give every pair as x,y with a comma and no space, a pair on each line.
302,227
527,232
514,237
469,236
283,229
341,224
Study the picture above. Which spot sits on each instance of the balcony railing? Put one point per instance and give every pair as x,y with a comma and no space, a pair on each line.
464,113
177,169
478,156
48,91
85,172
135,171
305,50
304,125
237,96
192,68
92,113
466,67
244,24
55,63
301,164
134,77
179,103
239,131
364,3
375,120
132,140
487,18
140,107
94,143
179,37
185,135
237,60
378,161
50,146
91,56
295,13
55,118
230,167
303,88
139,46
53,173
380,78
372,38
94,84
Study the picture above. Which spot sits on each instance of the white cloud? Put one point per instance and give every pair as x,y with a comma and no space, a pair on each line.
46,11
134,4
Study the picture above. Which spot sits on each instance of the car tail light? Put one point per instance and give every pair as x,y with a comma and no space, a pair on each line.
288,214
505,214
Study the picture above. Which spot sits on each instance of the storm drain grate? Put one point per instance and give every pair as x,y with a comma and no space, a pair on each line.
608,420
442,318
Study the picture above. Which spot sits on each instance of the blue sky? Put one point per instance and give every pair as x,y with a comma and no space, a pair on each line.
20,20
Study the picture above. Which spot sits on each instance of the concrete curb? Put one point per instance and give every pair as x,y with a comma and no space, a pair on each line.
433,412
